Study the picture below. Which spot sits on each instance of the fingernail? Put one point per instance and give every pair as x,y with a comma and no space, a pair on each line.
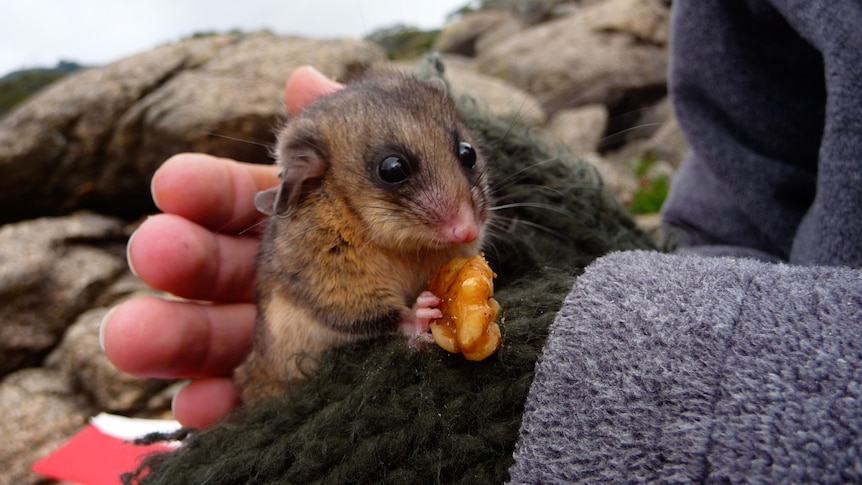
103,326
129,253
153,192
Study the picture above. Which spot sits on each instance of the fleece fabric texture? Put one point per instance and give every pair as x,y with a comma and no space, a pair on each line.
769,94
683,369
382,412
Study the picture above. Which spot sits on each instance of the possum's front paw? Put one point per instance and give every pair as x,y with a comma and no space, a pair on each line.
416,325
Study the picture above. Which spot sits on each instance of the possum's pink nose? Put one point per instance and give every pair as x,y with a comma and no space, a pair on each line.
462,227
464,234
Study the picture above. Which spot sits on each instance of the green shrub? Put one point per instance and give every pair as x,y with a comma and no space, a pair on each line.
403,42
18,86
652,187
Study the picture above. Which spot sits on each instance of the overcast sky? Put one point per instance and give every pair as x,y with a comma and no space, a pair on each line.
42,32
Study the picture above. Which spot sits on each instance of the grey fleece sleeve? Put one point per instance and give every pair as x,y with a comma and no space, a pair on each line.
667,368
769,94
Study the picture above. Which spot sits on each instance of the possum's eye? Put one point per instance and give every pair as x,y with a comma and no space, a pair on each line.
467,155
394,169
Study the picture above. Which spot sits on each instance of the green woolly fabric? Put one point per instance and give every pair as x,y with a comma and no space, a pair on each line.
382,412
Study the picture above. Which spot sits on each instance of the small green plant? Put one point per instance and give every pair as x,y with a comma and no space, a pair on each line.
652,187
18,86
403,42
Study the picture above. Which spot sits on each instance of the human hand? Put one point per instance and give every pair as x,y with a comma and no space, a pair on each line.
202,249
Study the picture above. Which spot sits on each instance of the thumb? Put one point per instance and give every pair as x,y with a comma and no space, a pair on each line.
304,85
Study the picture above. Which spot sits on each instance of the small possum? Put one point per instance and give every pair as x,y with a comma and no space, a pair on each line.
381,185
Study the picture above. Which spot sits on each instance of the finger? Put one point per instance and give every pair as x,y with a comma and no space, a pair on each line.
201,403
217,193
175,255
154,337
304,85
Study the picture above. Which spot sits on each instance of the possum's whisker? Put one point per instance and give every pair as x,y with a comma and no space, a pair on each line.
519,114
496,144
535,225
532,205
612,138
491,242
521,177
252,229
510,178
529,189
259,143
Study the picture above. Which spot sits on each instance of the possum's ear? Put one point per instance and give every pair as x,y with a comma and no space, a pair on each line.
304,162
264,200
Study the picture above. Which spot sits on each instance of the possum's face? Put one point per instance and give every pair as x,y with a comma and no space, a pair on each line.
396,152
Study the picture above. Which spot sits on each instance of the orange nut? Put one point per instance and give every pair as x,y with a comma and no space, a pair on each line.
465,287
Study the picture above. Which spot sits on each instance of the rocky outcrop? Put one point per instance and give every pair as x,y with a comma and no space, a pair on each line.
52,270
58,277
93,140
477,31
500,98
603,53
